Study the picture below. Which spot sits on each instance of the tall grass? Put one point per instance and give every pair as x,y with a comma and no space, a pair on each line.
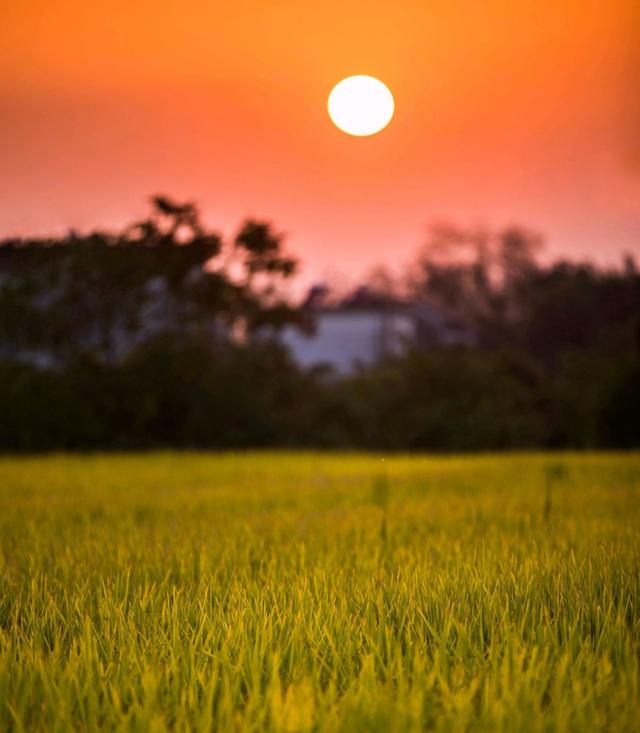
302,592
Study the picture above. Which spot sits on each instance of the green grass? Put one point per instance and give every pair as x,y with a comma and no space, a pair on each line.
320,592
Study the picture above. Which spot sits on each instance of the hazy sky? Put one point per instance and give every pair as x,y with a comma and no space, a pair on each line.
506,111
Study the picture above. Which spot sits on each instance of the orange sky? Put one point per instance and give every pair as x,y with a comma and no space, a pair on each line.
506,112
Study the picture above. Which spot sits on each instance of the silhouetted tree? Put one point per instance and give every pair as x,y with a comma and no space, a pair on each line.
103,293
494,281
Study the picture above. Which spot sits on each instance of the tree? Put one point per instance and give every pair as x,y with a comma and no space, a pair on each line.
103,293
478,275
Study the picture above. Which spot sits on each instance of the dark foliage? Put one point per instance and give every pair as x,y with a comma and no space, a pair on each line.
101,294
155,337
186,394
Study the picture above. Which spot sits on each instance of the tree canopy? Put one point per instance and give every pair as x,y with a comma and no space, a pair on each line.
103,292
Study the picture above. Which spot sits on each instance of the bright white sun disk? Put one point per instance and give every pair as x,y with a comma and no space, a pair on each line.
361,105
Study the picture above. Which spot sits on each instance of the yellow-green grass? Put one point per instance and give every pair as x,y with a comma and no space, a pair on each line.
325,592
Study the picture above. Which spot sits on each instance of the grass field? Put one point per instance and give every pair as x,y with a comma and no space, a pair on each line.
320,592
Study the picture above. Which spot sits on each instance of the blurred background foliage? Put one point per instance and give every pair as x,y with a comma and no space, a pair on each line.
164,335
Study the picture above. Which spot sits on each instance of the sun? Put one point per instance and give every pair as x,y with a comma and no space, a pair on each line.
360,105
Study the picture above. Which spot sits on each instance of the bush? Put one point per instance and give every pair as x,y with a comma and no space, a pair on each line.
186,393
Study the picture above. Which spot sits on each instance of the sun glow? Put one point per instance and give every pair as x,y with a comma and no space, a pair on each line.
360,105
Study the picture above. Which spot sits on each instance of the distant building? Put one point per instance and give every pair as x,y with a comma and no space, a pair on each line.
364,328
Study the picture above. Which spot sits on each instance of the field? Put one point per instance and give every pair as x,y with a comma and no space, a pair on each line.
293,592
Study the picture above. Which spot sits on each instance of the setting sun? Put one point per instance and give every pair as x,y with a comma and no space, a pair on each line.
361,105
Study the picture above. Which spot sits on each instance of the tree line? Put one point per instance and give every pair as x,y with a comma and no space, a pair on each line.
165,335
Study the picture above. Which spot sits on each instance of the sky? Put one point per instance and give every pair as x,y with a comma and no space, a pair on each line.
506,112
